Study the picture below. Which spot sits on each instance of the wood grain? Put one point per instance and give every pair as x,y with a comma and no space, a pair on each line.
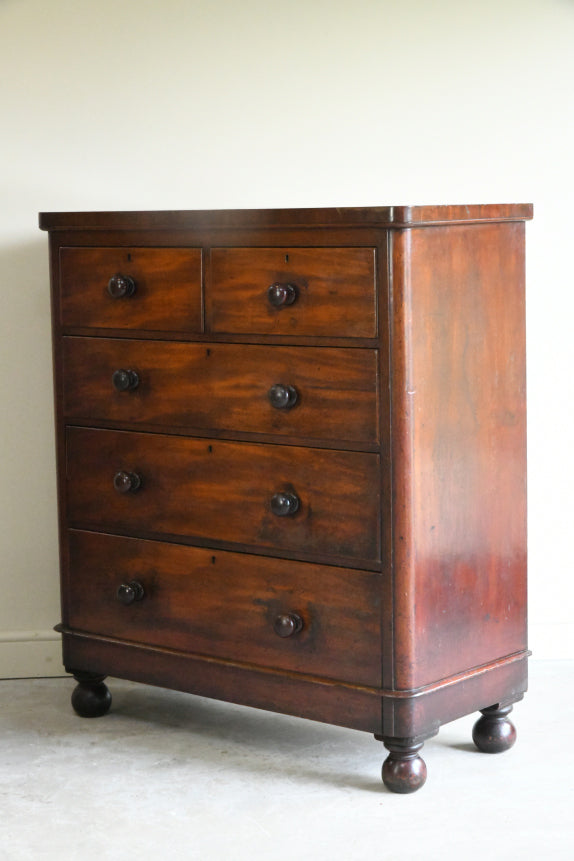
336,291
220,604
222,491
459,441
285,219
168,288
224,387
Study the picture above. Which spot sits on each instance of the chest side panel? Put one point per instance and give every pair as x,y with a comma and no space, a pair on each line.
460,449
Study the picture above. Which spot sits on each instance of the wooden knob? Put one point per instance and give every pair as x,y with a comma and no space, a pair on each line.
284,504
129,592
125,380
121,286
287,625
282,397
127,482
280,295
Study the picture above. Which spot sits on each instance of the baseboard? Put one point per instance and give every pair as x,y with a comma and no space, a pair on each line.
38,654
30,654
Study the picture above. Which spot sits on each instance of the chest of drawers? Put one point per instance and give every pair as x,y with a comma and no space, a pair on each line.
291,462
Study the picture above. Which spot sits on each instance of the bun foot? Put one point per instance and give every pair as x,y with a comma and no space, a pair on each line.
493,732
91,697
403,770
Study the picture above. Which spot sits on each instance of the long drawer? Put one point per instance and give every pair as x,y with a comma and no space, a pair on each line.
313,619
285,498
306,392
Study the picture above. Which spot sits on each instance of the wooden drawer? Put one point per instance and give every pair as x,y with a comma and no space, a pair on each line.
335,293
226,605
225,387
167,293
226,491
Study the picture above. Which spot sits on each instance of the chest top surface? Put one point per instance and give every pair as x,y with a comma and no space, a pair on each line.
372,216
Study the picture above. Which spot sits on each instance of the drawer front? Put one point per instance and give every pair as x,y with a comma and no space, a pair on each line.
227,605
307,392
166,288
303,501
327,292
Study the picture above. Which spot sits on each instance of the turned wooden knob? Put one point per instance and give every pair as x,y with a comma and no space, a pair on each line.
287,625
282,397
127,482
280,295
129,592
284,504
125,380
121,286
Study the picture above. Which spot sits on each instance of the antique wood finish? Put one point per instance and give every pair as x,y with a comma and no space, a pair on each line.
291,455
403,770
419,713
286,219
311,697
493,732
233,387
91,697
87,298
221,604
223,491
460,449
298,291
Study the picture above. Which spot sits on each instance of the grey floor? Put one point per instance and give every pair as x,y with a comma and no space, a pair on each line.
171,776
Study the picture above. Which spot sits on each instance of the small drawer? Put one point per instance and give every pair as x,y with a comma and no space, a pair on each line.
293,616
131,288
287,498
327,292
307,392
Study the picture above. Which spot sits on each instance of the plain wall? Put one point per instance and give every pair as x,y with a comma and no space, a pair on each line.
189,104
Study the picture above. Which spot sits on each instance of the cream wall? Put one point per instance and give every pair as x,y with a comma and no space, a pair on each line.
166,104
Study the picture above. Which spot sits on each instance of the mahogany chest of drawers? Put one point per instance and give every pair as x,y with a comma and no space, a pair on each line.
291,462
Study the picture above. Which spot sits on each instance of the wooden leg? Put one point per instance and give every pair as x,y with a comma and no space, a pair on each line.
493,732
403,770
91,697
